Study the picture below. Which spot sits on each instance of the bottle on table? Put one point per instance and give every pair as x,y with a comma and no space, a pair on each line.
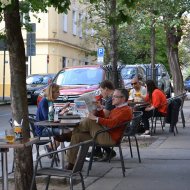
18,130
56,113
51,112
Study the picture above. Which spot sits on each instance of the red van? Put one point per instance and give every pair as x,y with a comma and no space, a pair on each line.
78,80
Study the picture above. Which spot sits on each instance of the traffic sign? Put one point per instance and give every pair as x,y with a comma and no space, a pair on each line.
100,55
100,52
31,41
100,59
31,44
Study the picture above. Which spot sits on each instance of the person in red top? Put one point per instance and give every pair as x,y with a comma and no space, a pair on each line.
158,104
89,126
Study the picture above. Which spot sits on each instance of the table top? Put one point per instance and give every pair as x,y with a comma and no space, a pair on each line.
19,143
76,116
134,104
62,122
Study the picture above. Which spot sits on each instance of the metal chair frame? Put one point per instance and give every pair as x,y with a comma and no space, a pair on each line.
132,130
163,119
52,171
41,142
118,144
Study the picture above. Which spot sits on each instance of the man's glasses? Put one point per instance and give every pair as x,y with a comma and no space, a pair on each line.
134,83
114,96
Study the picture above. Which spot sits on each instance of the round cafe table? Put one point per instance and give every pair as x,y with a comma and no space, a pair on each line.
63,123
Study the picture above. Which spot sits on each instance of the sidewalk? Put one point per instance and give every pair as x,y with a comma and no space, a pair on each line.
165,164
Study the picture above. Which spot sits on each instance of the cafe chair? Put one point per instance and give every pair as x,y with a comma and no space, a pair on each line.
70,174
42,141
131,131
182,97
174,105
154,120
124,126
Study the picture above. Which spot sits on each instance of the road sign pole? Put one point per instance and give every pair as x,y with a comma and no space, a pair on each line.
30,53
4,74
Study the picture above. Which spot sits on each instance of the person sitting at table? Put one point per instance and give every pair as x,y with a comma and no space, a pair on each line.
138,92
157,107
89,126
51,94
104,102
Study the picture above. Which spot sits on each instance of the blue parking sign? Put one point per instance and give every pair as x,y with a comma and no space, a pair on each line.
100,52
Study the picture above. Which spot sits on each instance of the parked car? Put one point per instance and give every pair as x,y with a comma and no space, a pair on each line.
35,83
187,84
129,72
79,80
162,77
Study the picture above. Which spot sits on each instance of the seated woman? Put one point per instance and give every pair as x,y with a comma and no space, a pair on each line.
158,104
51,94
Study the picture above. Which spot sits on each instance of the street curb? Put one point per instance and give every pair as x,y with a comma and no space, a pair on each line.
5,103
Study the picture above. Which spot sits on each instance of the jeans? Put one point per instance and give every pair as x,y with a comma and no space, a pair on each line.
147,115
46,132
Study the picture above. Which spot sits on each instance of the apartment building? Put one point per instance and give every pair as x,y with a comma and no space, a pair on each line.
60,42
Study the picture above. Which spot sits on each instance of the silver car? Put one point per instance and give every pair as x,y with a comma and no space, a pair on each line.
162,77
128,72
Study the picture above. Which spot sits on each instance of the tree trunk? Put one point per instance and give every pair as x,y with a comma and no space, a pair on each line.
173,37
153,50
22,156
114,48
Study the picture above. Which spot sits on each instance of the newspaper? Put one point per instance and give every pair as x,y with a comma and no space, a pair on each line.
86,103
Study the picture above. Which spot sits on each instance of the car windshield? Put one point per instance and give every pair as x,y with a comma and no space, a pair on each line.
149,70
79,76
37,79
128,72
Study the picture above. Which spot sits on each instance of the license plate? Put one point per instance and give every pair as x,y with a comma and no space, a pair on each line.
28,96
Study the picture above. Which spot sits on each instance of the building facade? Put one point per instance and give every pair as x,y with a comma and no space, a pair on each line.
60,42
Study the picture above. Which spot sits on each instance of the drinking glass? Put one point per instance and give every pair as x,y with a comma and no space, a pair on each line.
9,136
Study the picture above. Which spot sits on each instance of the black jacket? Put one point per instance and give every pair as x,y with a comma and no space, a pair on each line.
173,111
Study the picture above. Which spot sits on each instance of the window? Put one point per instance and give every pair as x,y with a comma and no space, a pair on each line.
82,76
64,22
64,62
80,25
74,22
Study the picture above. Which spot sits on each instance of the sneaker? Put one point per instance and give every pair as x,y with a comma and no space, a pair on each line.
146,133
69,166
97,155
48,150
108,156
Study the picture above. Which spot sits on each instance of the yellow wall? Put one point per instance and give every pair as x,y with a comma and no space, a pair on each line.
53,41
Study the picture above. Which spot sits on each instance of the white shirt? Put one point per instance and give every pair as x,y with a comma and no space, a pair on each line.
136,95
